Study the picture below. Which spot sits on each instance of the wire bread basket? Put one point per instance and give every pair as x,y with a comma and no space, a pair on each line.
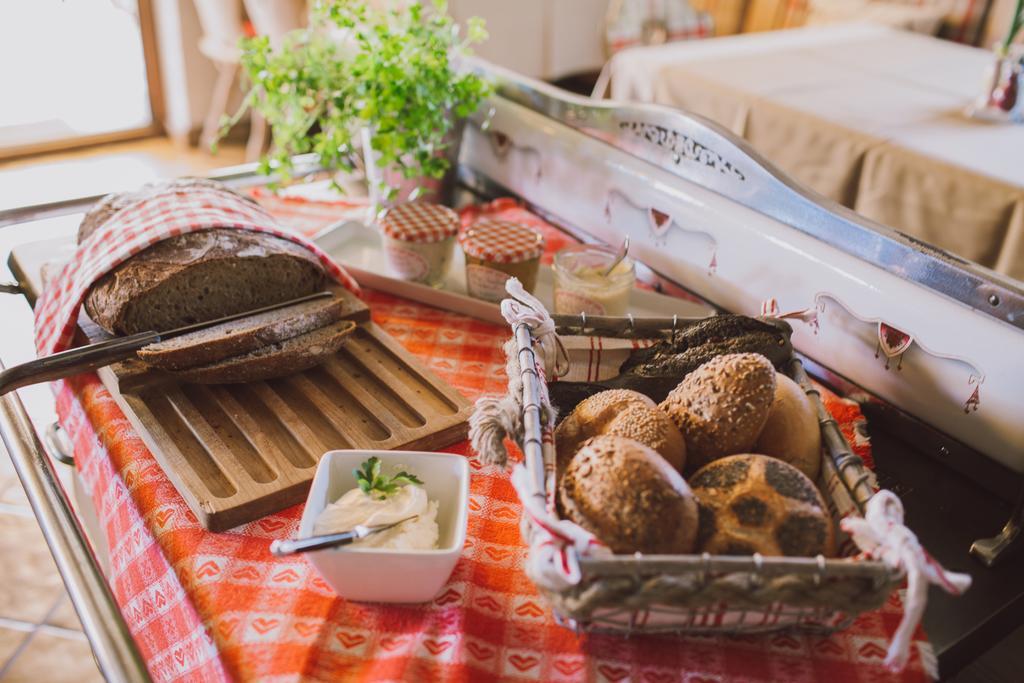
704,593
591,589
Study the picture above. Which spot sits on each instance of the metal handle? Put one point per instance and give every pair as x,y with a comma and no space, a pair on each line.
73,361
301,545
10,288
990,551
57,442
111,641
291,546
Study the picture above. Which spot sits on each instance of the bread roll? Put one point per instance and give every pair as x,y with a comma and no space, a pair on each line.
623,413
792,432
629,497
722,406
758,504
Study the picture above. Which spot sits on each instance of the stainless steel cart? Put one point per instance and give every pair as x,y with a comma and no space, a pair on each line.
682,188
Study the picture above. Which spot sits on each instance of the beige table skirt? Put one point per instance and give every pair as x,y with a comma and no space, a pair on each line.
874,152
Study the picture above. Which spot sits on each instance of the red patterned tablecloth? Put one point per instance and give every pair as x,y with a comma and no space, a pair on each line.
208,606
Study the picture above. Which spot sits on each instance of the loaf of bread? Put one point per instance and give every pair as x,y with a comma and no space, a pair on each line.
210,274
758,504
201,276
619,412
721,407
791,432
629,497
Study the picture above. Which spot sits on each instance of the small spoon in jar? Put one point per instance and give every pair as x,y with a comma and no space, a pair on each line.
623,250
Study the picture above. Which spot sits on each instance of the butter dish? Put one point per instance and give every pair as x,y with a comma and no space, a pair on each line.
383,574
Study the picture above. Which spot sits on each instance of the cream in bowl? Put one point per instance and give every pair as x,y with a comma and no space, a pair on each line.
583,283
410,562
380,500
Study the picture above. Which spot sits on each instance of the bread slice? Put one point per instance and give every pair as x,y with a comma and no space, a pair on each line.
202,276
274,360
238,337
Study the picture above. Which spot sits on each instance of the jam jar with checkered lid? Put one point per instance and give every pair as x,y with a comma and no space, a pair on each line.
497,250
419,240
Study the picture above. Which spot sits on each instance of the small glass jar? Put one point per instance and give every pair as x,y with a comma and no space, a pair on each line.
497,250
581,285
419,241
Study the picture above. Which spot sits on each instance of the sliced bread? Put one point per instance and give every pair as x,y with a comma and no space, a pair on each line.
201,276
274,360
241,336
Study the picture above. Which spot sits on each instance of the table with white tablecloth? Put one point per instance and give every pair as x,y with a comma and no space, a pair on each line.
868,116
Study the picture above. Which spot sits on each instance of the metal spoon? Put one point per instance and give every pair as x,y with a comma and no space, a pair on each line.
291,546
623,250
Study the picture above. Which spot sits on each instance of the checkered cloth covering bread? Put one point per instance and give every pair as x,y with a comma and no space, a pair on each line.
140,225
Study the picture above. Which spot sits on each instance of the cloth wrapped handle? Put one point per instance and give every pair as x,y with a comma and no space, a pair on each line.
881,535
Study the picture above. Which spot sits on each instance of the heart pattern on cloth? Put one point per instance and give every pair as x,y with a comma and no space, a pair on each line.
436,647
523,662
306,629
871,651
350,640
391,643
264,626
529,609
286,576
208,569
568,668
226,626
162,516
481,652
271,524
248,573
489,603
613,673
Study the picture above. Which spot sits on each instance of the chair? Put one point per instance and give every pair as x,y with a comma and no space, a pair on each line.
221,21
222,25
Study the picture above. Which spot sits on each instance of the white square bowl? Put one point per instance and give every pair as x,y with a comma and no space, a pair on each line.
386,575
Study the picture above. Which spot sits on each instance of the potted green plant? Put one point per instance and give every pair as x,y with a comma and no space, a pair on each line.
388,81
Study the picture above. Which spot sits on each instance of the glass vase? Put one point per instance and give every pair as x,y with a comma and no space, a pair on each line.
1002,96
388,186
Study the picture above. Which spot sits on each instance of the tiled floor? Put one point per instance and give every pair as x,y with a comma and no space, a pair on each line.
40,636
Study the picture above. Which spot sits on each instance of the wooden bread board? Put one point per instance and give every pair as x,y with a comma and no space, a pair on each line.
239,452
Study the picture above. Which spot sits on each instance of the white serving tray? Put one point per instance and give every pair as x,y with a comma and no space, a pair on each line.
357,246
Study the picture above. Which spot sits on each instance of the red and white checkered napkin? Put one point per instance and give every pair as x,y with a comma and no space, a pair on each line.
139,226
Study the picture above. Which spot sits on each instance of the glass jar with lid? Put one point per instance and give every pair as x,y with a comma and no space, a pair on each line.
419,240
583,285
497,250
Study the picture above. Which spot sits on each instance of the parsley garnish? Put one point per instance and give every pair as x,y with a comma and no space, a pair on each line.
380,486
